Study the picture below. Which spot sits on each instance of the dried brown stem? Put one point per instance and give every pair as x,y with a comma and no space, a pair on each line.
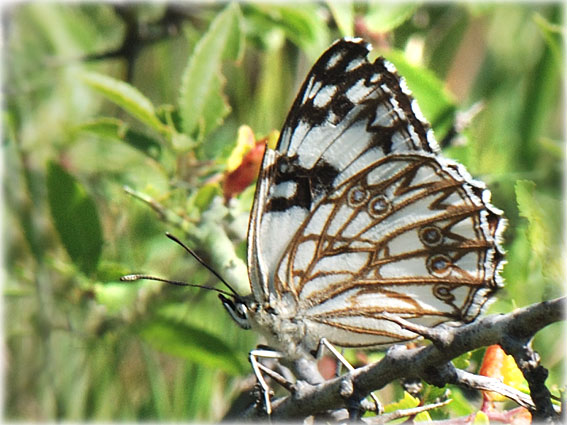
433,363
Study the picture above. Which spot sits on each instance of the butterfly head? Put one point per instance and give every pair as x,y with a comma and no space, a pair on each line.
247,312
237,308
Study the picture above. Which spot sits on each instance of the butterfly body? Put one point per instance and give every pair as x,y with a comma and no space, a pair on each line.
284,327
358,217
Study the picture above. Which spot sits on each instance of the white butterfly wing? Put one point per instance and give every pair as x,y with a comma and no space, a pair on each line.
347,115
407,236
354,123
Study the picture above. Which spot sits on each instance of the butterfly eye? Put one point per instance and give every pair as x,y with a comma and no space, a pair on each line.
241,310
379,205
357,196
237,310
430,236
439,265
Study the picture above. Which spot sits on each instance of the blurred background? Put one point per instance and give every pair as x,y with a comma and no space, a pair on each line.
121,122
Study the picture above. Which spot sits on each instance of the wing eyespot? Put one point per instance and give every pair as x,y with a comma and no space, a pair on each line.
431,236
357,196
443,292
378,206
439,265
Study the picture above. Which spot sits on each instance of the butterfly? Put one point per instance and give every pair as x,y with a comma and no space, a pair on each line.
358,217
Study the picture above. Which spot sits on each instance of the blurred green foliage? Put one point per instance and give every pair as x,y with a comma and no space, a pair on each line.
150,96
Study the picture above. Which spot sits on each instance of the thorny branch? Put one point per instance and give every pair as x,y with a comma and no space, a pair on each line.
513,331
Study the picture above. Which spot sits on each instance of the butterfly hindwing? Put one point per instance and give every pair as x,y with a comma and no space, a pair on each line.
402,237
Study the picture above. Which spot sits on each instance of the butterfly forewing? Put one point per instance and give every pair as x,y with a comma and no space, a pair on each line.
348,101
357,215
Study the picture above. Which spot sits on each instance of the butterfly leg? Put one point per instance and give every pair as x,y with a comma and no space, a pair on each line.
257,367
324,343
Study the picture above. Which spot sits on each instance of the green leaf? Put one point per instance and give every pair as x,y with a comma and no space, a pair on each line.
126,96
189,342
552,33
169,115
422,417
542,90
433,393
384,17
202,103
159,384
110,272
304,25
407,402
481,418
529,208
552,147
460,405
75,218
343,14
463,361
116,296
206,194
434,100
112,128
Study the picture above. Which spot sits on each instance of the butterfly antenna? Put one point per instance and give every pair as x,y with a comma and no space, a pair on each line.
135,277
209,268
